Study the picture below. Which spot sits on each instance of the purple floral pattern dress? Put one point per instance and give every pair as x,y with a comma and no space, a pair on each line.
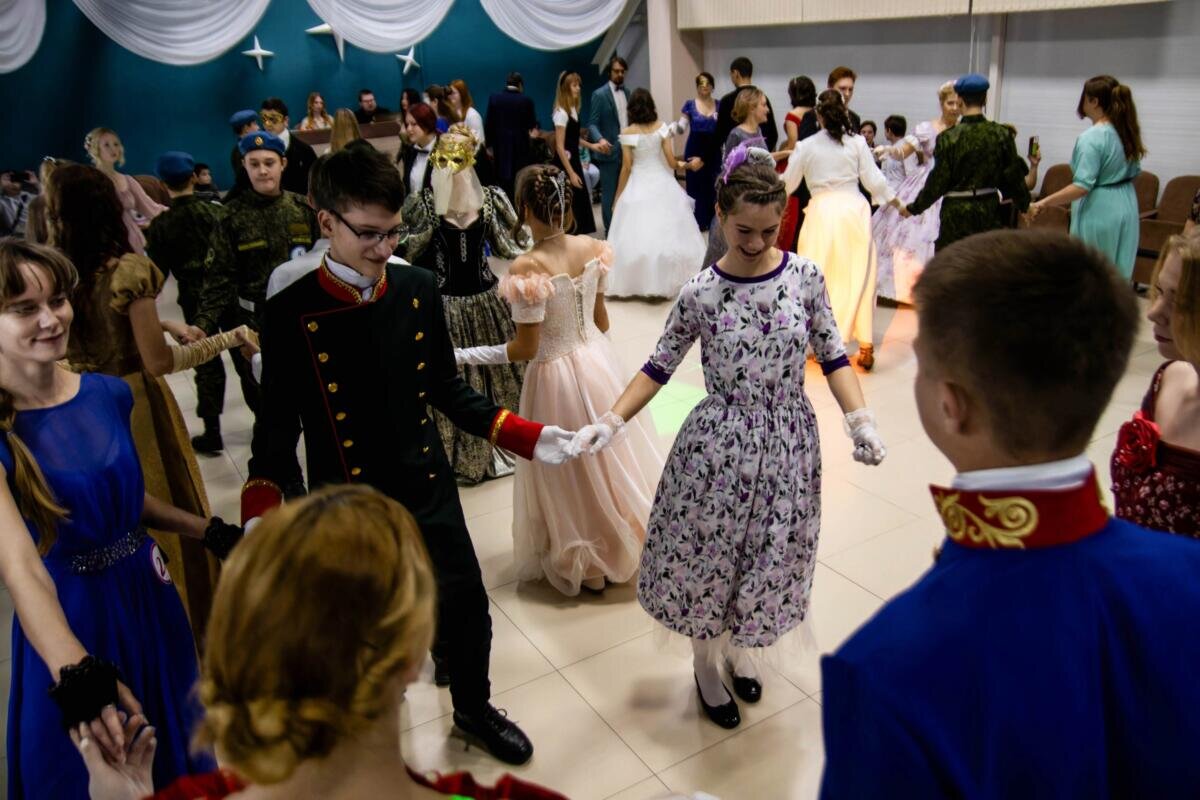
732,540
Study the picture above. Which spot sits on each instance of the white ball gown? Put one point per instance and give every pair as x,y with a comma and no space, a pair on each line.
654,235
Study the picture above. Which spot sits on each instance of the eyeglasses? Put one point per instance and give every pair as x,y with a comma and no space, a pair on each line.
371,238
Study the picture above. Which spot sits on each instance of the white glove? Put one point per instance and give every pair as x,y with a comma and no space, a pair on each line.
485,355
594,438
554,445
868,447
886,150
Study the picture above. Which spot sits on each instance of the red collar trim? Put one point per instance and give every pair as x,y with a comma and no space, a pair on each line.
345,292
1021,520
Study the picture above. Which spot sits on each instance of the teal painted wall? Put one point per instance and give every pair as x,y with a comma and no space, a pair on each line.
80,79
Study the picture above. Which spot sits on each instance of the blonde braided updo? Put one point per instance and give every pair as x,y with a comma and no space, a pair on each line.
317,616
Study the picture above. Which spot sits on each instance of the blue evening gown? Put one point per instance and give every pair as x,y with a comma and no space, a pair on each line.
117,605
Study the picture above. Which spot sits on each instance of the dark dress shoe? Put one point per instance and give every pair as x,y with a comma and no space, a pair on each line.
748,689
208,443
727,715
496,733
441,671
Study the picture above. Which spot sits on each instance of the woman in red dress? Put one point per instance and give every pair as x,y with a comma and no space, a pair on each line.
320,621
1156,466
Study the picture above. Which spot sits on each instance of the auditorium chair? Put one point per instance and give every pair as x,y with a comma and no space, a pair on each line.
1054,217
1162,222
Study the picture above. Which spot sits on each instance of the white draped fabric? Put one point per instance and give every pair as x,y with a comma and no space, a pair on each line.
553,24
382,26
22,23
179,32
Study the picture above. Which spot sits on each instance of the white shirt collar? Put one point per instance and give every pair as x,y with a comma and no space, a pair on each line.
359,281
615,89
1065,474
286,136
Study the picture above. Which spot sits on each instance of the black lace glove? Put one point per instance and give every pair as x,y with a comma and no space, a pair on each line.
220,537
84,689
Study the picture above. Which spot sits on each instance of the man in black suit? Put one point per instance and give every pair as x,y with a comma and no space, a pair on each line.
510,118
740,72
843,79
368,110
300,156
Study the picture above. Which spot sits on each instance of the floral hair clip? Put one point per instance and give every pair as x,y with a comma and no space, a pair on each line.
751,150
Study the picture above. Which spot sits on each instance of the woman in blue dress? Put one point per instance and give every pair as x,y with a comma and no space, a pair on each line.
1106,159
98,626
699,122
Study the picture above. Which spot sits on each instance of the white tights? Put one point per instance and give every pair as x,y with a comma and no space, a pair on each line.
706,660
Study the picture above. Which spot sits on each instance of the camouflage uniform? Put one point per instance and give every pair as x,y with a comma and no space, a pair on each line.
256,234
975,154
177,241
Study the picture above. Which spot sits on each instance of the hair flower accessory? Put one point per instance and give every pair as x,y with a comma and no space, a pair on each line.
752,151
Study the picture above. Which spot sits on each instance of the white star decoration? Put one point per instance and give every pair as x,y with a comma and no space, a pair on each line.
409,59
258,53
326,28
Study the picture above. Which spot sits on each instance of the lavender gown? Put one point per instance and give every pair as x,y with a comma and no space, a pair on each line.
904,246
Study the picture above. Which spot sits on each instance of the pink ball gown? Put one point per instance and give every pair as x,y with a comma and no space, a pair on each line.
585,519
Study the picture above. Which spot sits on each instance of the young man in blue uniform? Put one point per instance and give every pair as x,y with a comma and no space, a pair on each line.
1051,649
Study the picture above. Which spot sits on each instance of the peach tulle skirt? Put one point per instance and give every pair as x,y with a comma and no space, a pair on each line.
586,518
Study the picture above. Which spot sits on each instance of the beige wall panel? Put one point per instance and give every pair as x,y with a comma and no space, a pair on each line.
1003,6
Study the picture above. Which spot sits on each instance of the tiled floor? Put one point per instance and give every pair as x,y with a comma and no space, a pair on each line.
611,714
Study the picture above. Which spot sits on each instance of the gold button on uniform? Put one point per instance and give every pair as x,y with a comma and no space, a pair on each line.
348,443
332,388
420,366
426,419
424,449
341,415
356,471
420,335
312,327
322,357
416,303
420,395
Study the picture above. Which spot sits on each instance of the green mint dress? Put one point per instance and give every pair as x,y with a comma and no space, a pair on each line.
1107,217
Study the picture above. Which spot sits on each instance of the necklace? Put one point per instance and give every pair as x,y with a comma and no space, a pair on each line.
551,236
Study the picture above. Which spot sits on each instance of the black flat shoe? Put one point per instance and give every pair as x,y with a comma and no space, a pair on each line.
494,732
208,443
727,715
748,689
441,671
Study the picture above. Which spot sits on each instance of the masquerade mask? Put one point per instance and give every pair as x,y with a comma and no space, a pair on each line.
454,152
271,117
703,83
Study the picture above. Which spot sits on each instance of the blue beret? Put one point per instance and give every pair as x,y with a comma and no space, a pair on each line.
242,118
174,166
261,140
972,84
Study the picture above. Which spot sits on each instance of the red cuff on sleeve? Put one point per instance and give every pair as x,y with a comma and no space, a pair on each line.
258,497
515,433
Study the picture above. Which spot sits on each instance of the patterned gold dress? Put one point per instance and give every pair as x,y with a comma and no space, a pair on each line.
102,341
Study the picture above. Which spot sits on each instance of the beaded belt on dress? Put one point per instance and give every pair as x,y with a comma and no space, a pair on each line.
104,557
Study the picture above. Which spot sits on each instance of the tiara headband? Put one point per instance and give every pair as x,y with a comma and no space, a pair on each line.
751,151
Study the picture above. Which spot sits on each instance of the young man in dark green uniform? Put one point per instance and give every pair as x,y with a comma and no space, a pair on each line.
975,167
178,241
243,122
261,229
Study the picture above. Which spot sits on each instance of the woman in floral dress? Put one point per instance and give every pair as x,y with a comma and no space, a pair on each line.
1156,465
732,539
